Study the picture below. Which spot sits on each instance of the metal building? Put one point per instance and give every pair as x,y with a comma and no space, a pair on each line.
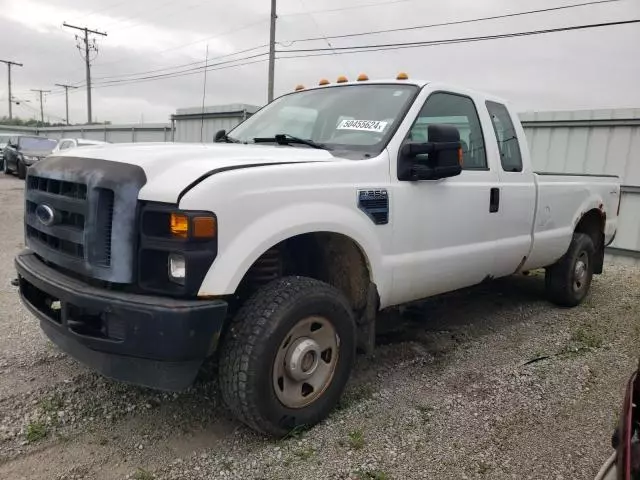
200,125
594,141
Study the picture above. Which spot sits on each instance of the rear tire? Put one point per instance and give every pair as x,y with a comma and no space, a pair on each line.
569,279
22,170
287,355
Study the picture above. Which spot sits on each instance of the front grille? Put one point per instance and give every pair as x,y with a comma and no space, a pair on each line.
58,187
69,248
69,234
80,216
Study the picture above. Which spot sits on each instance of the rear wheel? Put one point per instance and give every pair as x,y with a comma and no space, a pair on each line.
569,279
287,355
22,170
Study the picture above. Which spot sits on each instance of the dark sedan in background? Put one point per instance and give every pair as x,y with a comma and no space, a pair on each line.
24,150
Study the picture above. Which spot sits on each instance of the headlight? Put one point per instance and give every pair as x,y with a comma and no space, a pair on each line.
29,158
177,268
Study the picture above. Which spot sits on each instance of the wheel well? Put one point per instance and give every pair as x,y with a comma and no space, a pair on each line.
329,257
592,223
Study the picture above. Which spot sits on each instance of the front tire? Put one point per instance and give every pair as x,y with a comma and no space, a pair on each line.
287,355
5,167
569,279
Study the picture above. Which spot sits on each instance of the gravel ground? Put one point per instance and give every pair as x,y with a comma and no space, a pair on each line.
448,395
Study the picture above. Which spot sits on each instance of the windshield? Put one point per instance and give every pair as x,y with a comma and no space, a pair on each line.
350,117
37,143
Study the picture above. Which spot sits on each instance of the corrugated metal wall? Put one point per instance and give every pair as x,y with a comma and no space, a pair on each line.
155,132
198,125
594,141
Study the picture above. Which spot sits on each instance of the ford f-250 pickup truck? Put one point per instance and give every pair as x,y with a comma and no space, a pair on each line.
273,249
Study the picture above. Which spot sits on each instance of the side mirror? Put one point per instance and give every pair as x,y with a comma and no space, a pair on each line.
220,136
440,157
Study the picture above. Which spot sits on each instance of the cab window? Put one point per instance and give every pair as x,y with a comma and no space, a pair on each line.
460,112
506,137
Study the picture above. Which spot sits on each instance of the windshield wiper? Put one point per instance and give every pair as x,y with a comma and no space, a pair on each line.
286,139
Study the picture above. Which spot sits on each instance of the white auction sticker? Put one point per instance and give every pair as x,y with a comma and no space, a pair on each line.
364,125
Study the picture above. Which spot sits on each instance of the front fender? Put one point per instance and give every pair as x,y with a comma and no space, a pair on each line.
237,254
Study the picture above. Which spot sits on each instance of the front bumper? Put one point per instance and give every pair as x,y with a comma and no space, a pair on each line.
147,340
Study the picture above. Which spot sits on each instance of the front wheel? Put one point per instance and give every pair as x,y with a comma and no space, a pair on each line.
5,167
287,355
569,279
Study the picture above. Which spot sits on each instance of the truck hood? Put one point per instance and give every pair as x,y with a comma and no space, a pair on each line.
170,168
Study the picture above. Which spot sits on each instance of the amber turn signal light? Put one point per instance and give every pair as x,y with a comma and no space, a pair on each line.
204,227
179,225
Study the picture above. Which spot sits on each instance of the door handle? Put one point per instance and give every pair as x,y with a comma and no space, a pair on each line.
494,200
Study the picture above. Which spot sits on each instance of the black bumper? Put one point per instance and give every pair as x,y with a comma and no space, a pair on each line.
152,341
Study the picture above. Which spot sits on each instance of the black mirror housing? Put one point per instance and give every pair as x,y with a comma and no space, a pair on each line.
443,152
220,136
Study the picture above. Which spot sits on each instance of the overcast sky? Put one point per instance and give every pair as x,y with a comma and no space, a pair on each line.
596,68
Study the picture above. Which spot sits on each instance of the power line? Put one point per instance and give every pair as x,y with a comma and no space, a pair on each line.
308,53
179,73
392,46
326,38
203,39
442,24
9,65
182,65
87,60
262,60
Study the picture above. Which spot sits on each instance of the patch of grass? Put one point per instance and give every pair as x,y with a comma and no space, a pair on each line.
51,405
142,474
35,431
296,432
305,453
355,396
356,439
372,475
587,337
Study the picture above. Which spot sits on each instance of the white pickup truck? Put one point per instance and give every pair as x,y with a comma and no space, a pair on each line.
273,249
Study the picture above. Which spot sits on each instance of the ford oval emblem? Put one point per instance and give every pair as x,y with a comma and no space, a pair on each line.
46,215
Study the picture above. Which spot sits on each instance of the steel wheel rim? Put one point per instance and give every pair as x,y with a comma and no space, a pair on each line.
305,362
581,272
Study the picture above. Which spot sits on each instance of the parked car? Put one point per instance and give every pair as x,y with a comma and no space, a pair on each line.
275,248
23,151
67,143
624,462
4,139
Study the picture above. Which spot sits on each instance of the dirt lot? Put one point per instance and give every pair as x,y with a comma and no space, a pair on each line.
449,395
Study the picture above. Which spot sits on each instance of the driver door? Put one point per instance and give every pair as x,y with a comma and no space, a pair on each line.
444,236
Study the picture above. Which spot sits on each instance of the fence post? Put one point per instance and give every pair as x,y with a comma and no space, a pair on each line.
133,134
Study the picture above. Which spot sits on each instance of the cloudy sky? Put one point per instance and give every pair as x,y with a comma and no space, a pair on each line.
595,68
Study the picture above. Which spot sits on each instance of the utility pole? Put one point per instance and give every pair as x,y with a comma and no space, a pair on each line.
66,98
41,108
9,63
272,50
87,60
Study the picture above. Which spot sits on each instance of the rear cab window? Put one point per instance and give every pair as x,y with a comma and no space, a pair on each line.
506,136
458,111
